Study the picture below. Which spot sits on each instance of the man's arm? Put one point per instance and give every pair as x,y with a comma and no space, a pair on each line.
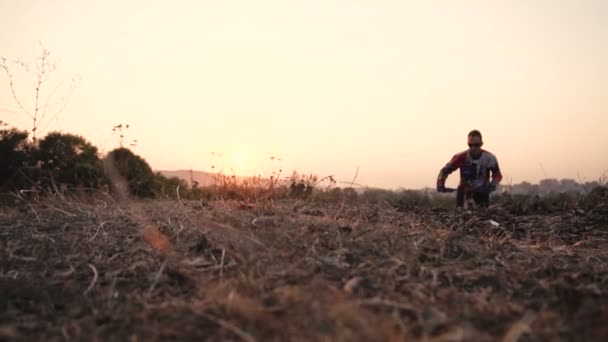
496,174
456,161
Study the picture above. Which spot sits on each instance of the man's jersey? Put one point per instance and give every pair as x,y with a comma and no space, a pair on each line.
474,173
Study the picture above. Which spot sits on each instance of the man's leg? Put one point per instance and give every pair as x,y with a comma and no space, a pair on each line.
482,199
460,197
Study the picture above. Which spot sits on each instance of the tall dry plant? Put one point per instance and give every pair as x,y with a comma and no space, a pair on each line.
48,101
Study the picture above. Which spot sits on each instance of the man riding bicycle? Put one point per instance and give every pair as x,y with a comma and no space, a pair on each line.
475,166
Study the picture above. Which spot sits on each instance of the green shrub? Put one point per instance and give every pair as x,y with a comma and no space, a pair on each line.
167,187
68,159
15,156
138,174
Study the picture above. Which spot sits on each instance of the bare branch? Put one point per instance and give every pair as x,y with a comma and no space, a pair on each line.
47,106
11,83
41,71
63,102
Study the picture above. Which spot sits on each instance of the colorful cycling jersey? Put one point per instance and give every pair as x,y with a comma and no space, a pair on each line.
474,173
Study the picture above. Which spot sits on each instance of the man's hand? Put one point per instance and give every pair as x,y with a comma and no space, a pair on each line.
441,188
492,187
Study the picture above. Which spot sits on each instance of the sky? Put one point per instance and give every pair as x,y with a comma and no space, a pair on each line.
386,87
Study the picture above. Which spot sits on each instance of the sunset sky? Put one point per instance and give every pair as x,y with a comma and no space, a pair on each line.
390,86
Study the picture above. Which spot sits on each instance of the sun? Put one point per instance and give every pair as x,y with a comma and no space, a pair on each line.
240,161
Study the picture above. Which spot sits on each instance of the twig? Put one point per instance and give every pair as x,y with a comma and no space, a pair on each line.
97,231
42,236
179,231
217,267
388,303
65,274
65,334
233,328
113,257
12,87
95,276
222,264
13,274
111,291
157,277
22,258
519,328
18,196
355,178
64,212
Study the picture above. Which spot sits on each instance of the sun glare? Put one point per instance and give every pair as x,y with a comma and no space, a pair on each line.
240,161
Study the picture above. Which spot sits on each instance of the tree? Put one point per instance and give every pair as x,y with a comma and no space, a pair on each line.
15,153
68,159
49,102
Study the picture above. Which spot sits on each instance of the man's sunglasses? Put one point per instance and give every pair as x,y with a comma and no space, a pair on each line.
474,145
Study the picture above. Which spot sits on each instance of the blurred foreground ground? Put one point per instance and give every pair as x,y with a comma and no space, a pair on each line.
299,270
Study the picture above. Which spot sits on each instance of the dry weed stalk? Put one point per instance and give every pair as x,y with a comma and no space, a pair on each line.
93,281
42,112
157,277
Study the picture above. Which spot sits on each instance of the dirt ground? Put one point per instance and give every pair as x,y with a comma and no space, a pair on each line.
300,271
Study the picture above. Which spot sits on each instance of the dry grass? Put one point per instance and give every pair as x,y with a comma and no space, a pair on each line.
299,270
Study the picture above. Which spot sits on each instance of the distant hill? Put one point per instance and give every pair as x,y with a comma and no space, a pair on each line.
202,177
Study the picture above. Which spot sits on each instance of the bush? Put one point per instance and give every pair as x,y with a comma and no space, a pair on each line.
411,199
375,195
68,159
167,187
335,195
138,174
15,154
